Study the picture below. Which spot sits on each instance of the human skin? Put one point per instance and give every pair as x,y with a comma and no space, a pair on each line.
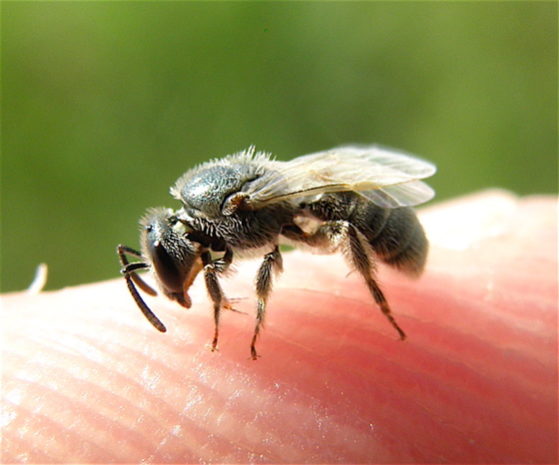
85,378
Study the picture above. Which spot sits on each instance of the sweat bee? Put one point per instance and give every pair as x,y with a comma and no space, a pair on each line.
350,199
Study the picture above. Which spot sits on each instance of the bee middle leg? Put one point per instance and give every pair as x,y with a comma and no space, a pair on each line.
212,268
272,262
333,235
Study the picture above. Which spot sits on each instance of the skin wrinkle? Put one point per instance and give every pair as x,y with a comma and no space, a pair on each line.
128,380
401,367
413,372
265,401
37,449
80,399
333,383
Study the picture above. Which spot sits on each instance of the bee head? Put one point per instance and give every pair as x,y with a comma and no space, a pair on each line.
174,258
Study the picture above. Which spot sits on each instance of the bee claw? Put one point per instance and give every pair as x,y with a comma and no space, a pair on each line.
213,347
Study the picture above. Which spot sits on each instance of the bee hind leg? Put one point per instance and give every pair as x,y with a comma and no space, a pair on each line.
335,235
361,260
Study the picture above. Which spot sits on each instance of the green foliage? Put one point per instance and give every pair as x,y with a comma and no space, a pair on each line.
105,104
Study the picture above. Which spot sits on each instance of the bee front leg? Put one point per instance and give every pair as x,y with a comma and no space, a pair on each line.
212,268
272,262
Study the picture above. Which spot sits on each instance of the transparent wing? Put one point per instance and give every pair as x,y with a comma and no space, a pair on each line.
386,177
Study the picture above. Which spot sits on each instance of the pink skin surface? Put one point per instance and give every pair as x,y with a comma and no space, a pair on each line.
85,378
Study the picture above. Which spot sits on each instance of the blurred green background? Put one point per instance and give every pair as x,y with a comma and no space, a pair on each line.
104,105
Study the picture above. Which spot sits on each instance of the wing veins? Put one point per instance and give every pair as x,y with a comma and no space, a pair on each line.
385,177
325,189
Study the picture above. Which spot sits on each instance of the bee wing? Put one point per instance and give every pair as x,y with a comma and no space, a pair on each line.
385,177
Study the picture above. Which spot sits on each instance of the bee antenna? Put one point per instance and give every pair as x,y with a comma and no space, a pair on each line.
156,322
